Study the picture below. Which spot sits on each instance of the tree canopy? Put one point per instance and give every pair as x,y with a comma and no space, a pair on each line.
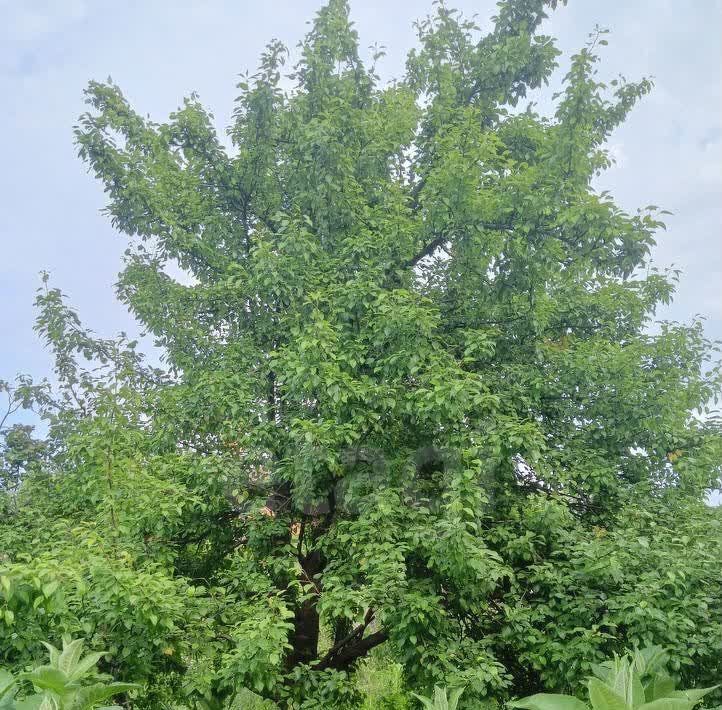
413,399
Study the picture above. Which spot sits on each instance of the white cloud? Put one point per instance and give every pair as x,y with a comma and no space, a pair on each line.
35,19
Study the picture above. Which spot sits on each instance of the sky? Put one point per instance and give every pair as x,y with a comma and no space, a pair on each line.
669,153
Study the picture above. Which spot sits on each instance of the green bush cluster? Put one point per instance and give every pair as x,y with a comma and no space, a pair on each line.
639,680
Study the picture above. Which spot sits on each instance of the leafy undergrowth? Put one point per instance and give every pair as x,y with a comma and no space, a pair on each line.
69,681
639,680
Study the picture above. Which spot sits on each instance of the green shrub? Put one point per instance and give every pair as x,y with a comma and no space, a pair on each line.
638,681
442,700
70,681
381,682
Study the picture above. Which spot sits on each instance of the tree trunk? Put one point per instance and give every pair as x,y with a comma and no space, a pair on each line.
304,639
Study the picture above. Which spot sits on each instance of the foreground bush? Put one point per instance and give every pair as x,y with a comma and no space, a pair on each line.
639,681
69,681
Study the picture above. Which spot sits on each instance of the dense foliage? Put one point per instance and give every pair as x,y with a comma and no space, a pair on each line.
68,682
413,413
639,680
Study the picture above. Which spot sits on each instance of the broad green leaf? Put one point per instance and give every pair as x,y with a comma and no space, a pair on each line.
635,690
627,684
602,697
693,694
602,670
54,653
662,686
85,664
651,660
6,681
454,697
549,701
440,700
668,704
50,588
90,696
49,703
426,702
33,702
48,678
70,655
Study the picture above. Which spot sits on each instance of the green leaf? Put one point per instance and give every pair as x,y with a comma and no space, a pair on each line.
6,681
47,678
662,686
694,694
549,701
54,653
50,588
652,659
85,664
32,702
426,702
49,703
455,696
602,697
668,704
627,684
70,656
91,695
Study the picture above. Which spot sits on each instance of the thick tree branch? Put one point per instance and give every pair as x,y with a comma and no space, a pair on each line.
356,633
428,250
347,655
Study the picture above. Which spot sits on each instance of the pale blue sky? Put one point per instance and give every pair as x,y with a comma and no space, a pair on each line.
669,152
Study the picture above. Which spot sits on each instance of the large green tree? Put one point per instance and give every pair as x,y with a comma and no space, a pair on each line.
412,397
